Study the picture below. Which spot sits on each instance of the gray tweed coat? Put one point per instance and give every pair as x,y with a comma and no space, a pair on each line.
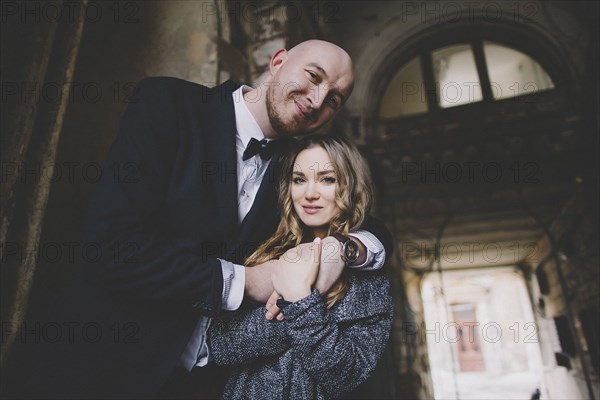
314,353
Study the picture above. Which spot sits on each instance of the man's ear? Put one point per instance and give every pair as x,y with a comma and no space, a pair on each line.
277,60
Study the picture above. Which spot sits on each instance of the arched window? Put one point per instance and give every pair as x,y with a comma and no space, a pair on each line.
487,96
460,74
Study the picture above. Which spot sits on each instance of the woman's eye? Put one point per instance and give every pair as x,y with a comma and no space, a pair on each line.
329,179
297,180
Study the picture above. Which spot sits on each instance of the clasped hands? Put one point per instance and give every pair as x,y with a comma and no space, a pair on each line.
294,274
310,265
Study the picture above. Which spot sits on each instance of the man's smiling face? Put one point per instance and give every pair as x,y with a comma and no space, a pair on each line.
310,84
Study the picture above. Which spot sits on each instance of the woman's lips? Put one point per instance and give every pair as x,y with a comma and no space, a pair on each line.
311,209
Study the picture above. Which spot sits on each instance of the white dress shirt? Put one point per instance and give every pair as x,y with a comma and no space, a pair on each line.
250,174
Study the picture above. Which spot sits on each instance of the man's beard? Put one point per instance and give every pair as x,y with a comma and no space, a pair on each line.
293,127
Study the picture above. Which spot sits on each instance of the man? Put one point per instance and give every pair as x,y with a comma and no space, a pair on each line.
172,228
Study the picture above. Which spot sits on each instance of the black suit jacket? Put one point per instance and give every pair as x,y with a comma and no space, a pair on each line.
164,210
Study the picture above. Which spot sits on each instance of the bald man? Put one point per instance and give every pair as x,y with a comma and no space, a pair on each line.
195,195
306,87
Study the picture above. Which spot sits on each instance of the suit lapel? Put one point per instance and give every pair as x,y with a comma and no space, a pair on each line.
222,157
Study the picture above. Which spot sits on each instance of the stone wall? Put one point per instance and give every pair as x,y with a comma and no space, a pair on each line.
567,294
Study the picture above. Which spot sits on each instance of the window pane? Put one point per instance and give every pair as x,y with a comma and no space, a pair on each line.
405,94
457,81
513,73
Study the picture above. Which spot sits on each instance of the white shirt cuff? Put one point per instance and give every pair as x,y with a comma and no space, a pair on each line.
234,281
375,251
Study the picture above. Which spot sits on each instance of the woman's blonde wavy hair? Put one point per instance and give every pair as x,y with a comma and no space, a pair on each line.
354,197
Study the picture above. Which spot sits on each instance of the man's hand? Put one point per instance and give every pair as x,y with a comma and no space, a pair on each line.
296,271
332,264
258,284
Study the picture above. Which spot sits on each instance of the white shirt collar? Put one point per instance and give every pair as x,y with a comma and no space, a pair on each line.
246,125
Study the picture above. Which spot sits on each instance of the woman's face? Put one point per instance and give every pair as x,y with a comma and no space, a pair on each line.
313,189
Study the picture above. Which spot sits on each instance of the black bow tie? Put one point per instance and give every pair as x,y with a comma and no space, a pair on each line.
262,147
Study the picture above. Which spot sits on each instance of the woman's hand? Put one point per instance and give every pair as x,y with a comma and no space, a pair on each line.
331,266
296,271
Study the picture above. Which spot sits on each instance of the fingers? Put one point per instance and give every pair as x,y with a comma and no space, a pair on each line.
273,299
331,266
273,312
272,309
316,248
297,271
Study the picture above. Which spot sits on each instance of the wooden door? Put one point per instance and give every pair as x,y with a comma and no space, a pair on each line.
468,345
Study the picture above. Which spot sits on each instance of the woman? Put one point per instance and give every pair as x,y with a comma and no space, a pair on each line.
326,345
